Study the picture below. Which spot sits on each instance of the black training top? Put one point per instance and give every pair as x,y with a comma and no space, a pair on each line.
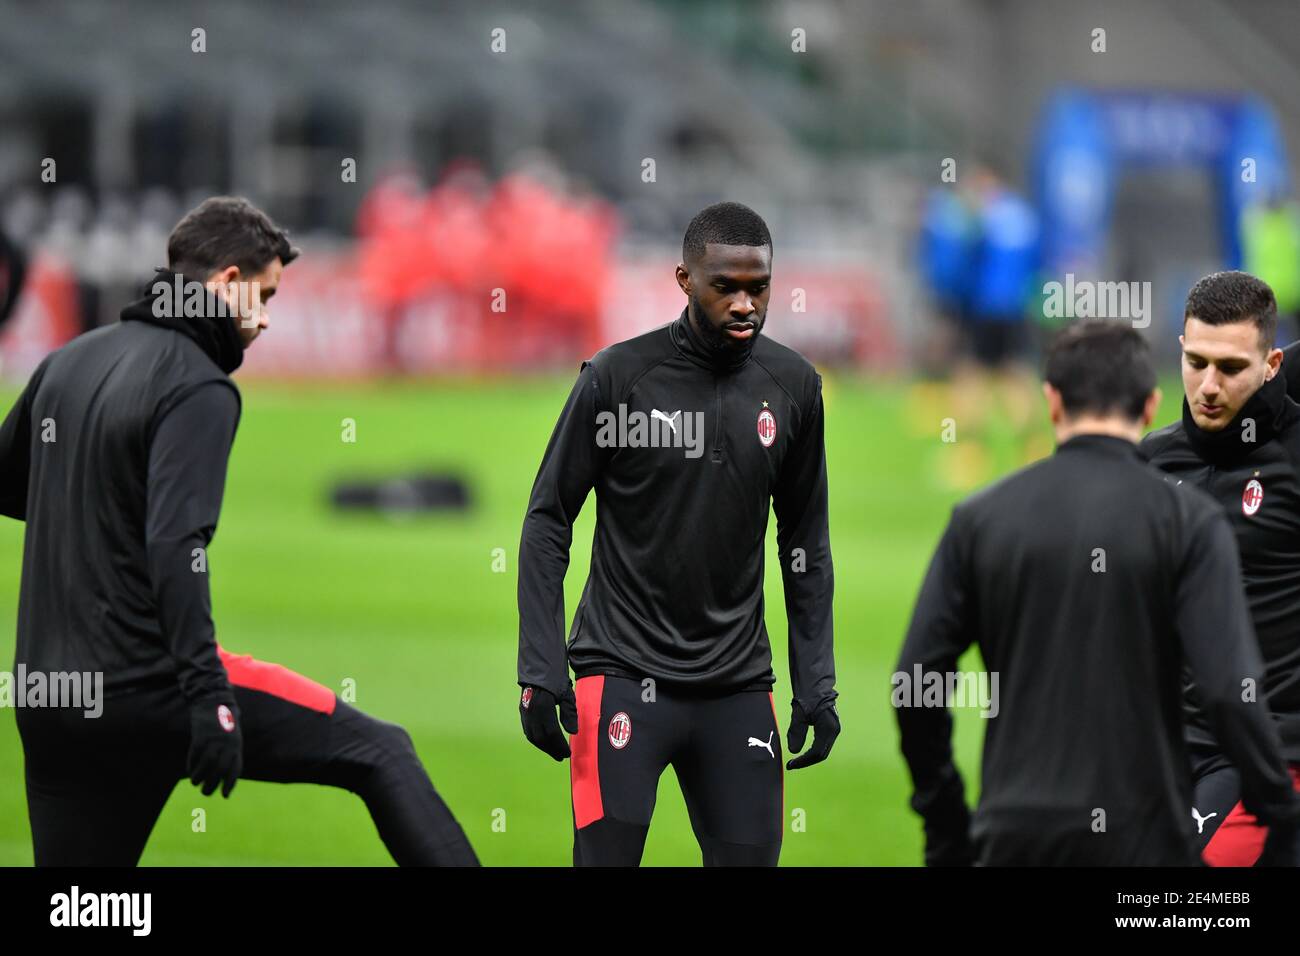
115,456
686,448
1252,469
1087,582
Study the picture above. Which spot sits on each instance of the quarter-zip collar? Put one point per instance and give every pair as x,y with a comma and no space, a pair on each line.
690,344
1269,408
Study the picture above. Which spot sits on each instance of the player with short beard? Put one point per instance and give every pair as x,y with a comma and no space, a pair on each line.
115,456
668,644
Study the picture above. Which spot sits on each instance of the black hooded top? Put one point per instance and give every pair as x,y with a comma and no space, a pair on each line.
171,302
115,456
1252,468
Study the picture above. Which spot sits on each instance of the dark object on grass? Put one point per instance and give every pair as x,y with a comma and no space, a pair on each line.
404,495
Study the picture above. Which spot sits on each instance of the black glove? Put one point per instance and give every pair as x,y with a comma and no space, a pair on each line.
216,745
826,727
541,727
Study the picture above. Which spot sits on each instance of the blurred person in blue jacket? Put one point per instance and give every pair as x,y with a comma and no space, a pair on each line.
978,255
945,249
1002,278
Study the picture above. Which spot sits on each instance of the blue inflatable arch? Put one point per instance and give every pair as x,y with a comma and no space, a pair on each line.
1086,140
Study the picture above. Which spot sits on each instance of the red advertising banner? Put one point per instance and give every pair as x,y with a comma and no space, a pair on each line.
326,321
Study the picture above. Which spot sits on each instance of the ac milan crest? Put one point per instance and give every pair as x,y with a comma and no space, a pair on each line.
1252,497
766,426
620,730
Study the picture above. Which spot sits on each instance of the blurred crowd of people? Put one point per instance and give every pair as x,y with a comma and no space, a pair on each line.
527,256
448,248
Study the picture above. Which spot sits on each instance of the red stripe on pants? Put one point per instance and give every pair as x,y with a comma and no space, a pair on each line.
584,747
244,671
1239,841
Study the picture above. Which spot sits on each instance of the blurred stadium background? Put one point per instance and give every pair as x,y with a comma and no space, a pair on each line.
423,168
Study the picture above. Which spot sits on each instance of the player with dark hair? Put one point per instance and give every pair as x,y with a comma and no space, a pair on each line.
688,434
1087,582
115,456
1239,440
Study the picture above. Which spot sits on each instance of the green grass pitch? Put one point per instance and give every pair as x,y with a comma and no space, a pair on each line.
414,613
